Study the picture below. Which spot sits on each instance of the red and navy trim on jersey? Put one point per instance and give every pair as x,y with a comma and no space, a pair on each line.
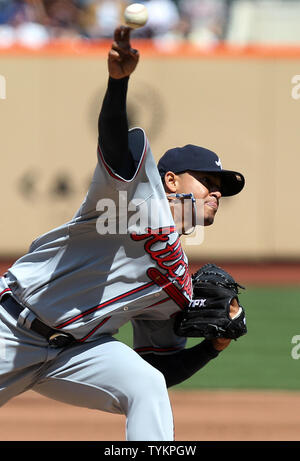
105,304
107,318
7,290
94,330
158,302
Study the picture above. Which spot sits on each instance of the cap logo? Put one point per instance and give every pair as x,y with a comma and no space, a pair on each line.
218,163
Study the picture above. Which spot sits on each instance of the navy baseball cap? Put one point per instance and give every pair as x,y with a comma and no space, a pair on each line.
195,158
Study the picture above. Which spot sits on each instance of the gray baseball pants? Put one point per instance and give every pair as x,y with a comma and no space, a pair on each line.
103,374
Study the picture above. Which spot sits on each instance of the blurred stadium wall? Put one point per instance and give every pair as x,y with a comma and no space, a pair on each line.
240,105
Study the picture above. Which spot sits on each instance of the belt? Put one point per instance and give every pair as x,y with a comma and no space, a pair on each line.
54,337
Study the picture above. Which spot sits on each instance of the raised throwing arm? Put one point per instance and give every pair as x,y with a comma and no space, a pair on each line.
112,122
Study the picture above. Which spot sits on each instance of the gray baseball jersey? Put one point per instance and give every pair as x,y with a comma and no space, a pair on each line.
118,259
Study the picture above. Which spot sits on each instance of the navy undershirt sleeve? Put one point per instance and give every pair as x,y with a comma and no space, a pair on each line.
113,129
182,365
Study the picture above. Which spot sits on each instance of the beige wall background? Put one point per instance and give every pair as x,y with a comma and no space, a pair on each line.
241,108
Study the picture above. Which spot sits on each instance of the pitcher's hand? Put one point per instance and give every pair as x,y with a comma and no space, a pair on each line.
122,59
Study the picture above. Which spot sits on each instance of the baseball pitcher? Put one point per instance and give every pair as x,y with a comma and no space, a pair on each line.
118,260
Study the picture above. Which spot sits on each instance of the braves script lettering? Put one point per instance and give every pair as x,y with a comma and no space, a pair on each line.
168,256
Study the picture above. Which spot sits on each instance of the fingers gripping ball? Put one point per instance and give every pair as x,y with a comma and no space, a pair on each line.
136,15
208,314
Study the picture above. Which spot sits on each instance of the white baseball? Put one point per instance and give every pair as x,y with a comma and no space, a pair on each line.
136,15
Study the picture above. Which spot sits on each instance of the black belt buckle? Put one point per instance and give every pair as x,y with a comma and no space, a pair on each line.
60,340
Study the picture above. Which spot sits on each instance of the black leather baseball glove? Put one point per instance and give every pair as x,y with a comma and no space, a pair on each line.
208,314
